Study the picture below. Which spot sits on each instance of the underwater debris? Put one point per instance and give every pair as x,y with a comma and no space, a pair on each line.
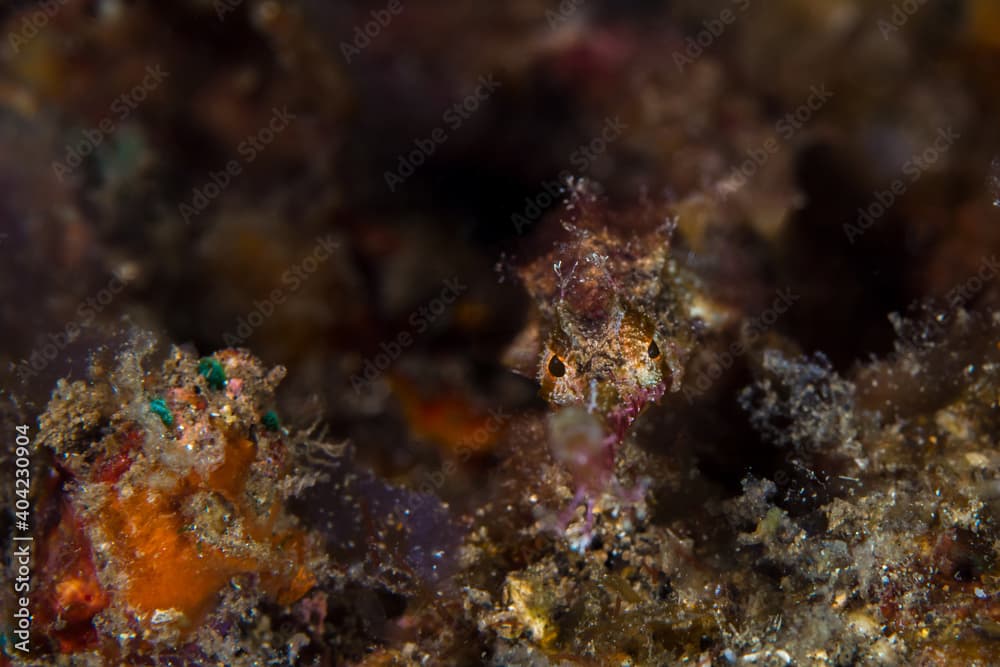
805,405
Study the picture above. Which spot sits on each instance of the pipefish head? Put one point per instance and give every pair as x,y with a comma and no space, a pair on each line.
606,355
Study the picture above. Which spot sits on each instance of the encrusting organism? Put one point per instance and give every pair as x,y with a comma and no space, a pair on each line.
170,487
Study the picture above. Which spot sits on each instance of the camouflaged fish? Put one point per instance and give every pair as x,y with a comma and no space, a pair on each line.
615,315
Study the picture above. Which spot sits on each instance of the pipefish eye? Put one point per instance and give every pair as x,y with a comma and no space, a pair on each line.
654,350
556,366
